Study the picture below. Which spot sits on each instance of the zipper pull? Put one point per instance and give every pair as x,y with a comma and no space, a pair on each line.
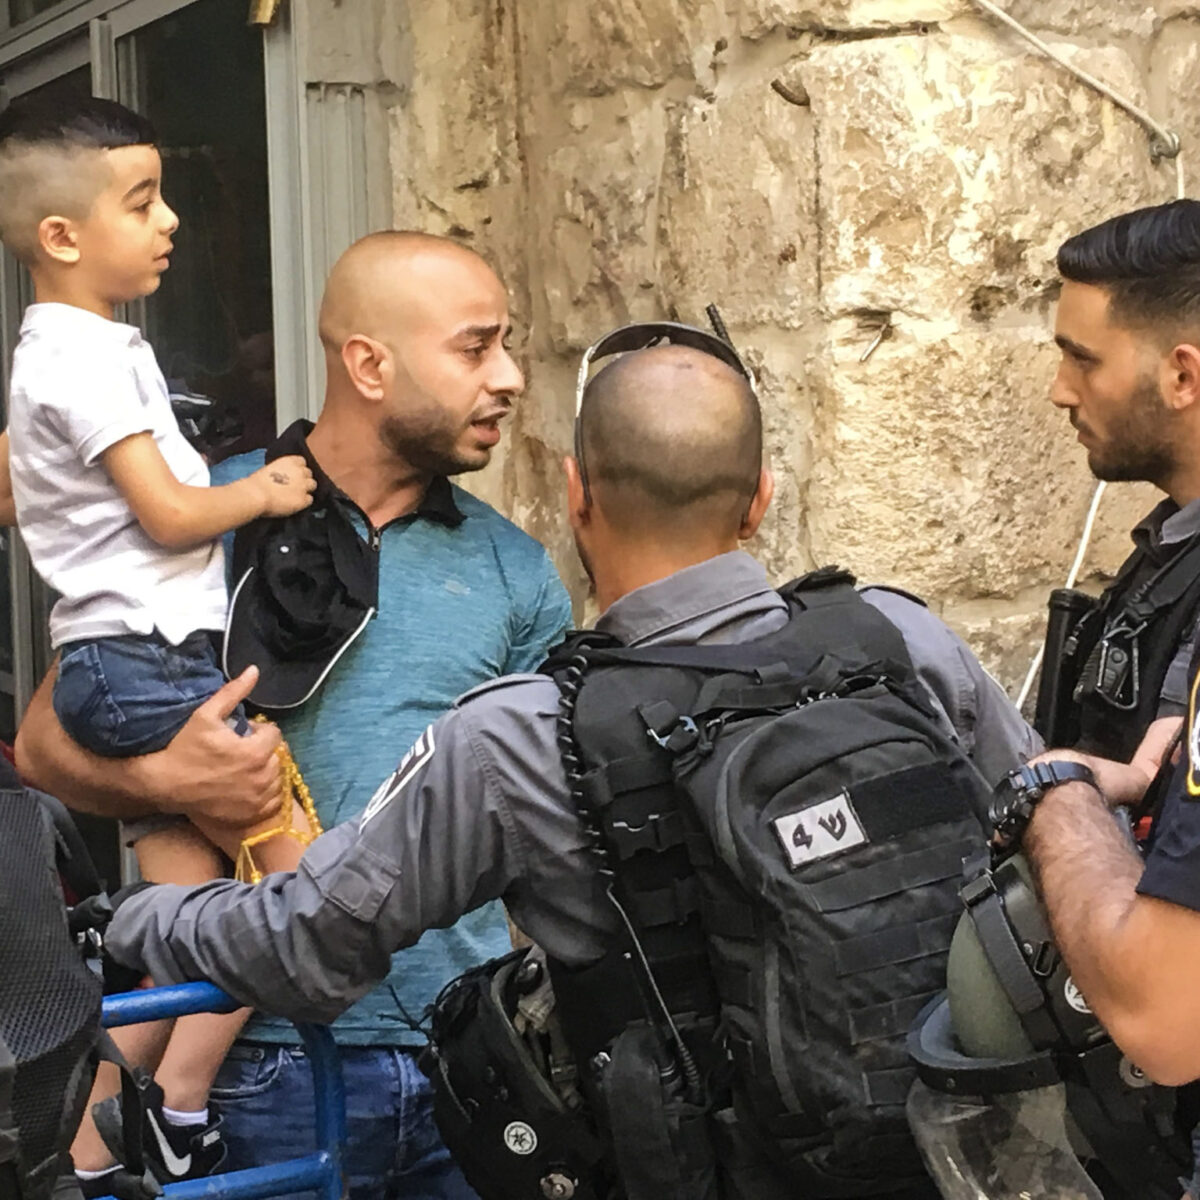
374,539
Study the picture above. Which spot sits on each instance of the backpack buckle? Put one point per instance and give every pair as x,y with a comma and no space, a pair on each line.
681,737
978,890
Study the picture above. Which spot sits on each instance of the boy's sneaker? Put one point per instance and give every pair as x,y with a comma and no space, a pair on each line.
172,1152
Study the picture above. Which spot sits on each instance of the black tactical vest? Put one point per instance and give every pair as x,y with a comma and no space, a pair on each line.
736,1043
1115,660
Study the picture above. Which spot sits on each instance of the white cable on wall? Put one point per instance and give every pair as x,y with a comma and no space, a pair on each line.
1165,143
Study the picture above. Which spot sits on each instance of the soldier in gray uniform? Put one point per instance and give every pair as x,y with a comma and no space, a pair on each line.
479,808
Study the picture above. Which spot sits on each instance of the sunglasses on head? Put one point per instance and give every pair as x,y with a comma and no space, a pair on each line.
643,336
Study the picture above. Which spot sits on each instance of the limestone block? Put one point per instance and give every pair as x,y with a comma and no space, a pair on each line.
455,163
1174,85
941,465
782,363
596,48
1168,9
760,17
952,167
1119,18
369,49
593,201
738,210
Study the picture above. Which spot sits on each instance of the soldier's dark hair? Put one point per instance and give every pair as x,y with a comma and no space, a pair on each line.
51,160
1148,261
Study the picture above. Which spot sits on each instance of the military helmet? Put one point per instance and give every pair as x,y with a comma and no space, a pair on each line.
1018,1080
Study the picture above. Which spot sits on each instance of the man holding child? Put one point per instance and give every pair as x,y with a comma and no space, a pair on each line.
401,592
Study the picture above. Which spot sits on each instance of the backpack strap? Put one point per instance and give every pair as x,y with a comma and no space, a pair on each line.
806,589
1117,669
1163,590
578,642
120,1121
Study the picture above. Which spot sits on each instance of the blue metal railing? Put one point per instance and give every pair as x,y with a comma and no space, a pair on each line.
319,1172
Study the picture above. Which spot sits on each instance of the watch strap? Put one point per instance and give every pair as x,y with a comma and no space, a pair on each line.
1055,772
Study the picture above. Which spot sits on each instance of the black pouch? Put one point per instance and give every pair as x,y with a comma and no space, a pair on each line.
662,1142
506,1125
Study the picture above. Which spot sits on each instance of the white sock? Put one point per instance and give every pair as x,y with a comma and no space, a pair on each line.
96,1174
176,1116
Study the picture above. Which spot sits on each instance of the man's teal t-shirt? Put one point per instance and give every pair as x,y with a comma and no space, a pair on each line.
458,605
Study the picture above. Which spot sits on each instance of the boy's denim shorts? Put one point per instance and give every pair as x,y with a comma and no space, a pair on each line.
123,696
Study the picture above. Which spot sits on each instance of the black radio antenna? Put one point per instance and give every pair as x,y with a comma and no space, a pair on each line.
714,319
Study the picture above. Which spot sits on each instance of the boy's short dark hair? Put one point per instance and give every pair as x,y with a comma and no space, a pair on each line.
1148,261
50,160
86,122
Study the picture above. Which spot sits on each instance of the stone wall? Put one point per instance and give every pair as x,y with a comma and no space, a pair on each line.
819,168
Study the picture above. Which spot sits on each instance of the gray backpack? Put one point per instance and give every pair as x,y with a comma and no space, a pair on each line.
784,824
780,828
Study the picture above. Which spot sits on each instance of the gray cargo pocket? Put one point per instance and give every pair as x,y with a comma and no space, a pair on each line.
355,880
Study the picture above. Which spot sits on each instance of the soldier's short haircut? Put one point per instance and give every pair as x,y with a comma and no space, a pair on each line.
674,436
1148,261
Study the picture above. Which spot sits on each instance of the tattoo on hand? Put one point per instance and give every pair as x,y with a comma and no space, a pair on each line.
278,477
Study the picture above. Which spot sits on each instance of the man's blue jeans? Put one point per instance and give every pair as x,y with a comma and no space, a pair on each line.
393,1150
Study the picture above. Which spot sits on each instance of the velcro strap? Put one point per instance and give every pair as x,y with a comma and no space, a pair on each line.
897,873
598,788
670,905
1012,968
1000,945
729,693
659,832
659,717
895,804
886,1020
902,943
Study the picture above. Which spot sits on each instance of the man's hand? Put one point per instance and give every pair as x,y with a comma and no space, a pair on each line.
1126,783
210,772
206,770
285,484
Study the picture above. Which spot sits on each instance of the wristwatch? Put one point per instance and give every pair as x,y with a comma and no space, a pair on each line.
1017,794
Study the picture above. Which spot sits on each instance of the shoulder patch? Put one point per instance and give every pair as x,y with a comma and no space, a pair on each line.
821,830
421,752
496,685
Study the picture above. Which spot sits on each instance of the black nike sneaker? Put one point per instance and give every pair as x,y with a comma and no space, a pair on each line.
172,1152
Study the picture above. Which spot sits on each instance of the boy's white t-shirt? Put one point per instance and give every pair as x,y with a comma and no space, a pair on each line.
80,384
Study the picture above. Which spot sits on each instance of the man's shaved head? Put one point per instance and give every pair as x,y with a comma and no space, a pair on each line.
383,281
672,435
415,330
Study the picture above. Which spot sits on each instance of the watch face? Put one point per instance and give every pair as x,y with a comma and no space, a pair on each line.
1000,805
1006,810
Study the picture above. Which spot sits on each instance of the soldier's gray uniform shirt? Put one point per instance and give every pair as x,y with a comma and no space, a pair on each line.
479,808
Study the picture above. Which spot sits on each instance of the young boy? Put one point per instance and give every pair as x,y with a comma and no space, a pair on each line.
117,513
